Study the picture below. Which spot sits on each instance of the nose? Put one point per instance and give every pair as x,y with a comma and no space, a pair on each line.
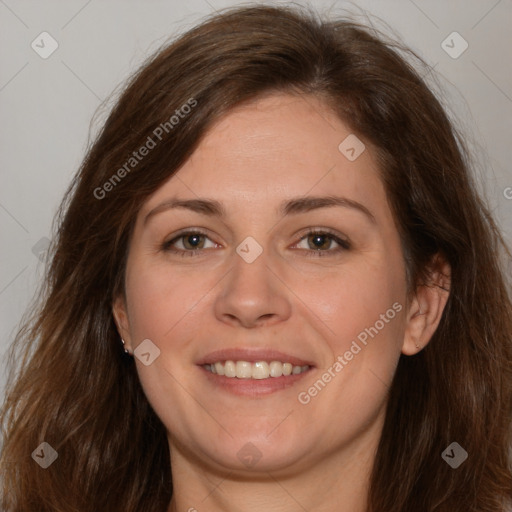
253,295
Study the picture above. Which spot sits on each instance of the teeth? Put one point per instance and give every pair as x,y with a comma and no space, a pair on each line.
296,370
243,370
287,369
229,369
257,370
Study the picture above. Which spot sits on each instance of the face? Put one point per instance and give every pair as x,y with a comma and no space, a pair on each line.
267,272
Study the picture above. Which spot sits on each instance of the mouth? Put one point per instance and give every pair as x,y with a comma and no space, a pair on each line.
253,372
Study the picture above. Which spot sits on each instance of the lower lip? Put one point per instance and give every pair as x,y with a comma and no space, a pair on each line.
253,387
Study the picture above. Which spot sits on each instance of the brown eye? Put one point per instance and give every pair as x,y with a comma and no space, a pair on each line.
193,241
188,243
319,243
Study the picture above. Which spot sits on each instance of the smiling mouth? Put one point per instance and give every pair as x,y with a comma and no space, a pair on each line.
257,370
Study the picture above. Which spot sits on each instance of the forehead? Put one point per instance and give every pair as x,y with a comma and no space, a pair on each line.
276,147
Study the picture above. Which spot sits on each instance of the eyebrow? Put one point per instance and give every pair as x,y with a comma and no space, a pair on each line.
213,208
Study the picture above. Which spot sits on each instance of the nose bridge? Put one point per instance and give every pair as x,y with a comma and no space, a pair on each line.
252,292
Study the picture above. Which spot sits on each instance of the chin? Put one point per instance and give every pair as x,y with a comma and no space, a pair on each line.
259,452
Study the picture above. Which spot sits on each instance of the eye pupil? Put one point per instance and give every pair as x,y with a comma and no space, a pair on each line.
321,239
195,237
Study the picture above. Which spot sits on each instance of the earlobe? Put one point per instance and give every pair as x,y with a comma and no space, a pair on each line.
426,309
120,315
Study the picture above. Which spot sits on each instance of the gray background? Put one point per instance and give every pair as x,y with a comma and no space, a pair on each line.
47,105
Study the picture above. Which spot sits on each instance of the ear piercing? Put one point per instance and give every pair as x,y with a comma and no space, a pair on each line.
126,351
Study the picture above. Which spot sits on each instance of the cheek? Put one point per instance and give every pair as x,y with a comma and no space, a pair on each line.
362,310
362,313
165,307
356,298
161,300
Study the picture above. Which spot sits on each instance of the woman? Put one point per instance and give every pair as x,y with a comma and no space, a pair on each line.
279,226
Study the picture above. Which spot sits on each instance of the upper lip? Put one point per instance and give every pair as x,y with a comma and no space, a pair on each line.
252,355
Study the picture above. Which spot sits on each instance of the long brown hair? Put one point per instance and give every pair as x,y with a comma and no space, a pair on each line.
73,387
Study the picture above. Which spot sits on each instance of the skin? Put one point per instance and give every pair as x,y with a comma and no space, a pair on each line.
314,456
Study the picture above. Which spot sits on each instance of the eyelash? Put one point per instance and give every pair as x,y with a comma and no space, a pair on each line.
344,244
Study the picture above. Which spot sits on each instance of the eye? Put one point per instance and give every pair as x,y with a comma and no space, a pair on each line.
191,241
321,241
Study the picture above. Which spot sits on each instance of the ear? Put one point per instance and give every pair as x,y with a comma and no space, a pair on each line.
426,309
120,314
